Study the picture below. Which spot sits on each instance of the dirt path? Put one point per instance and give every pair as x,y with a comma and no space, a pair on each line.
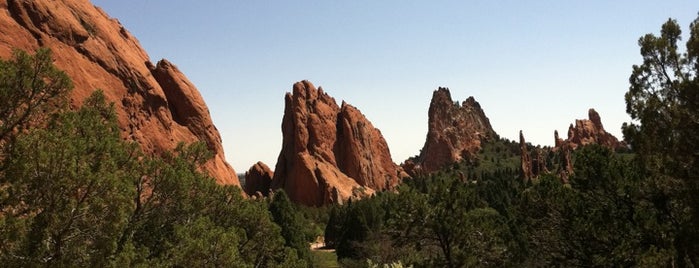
319,245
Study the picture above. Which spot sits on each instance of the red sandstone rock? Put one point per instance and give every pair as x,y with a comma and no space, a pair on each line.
534,166
585,131
526,159
566,162
454,133
330,153
156,105
258,179
591,131
539,162
362,153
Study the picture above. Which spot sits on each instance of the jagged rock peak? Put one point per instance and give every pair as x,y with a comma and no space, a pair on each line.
156,106
595,118
330,153
455,132
589,131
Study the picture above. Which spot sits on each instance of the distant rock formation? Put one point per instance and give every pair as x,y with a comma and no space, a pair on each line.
590,131
330,153
258,180
454,133
526,159
157,106
584,132
533,163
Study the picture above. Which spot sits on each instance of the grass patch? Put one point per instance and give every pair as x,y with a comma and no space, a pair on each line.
323,258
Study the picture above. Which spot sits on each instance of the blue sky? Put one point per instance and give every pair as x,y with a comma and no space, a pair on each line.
533,65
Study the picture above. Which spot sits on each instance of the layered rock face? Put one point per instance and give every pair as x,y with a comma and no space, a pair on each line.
589,131
258,180
454,133
157,105
330,153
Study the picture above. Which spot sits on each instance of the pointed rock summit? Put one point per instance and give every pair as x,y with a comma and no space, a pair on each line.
330,153
590,131
157,106
454,132
584,132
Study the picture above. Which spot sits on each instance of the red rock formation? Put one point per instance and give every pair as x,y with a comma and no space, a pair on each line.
330,153
362,153
532,167
156,105
258,180
526,159
589,131
584,132
566,161
539,162
454,133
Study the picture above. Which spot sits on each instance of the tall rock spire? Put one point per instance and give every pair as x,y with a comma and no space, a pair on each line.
454,132
330,153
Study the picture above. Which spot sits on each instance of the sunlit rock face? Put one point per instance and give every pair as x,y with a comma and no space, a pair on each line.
330,153
454,133
157,106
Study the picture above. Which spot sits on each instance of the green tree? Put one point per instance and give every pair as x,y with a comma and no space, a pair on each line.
448,224
291,222
333,228
31,87
66,197
663,101
73,193
171,196
204,244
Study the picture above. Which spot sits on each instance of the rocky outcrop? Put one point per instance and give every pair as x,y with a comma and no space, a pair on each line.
590,131
526,159
455,132
258,180
330,153
533,163
157,105
584,132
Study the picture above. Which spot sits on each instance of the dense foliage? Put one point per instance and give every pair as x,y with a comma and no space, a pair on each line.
617,209
73,193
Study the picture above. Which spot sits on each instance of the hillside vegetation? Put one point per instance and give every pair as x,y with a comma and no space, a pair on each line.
75,193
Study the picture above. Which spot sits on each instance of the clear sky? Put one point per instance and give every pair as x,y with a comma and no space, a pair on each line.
533,65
